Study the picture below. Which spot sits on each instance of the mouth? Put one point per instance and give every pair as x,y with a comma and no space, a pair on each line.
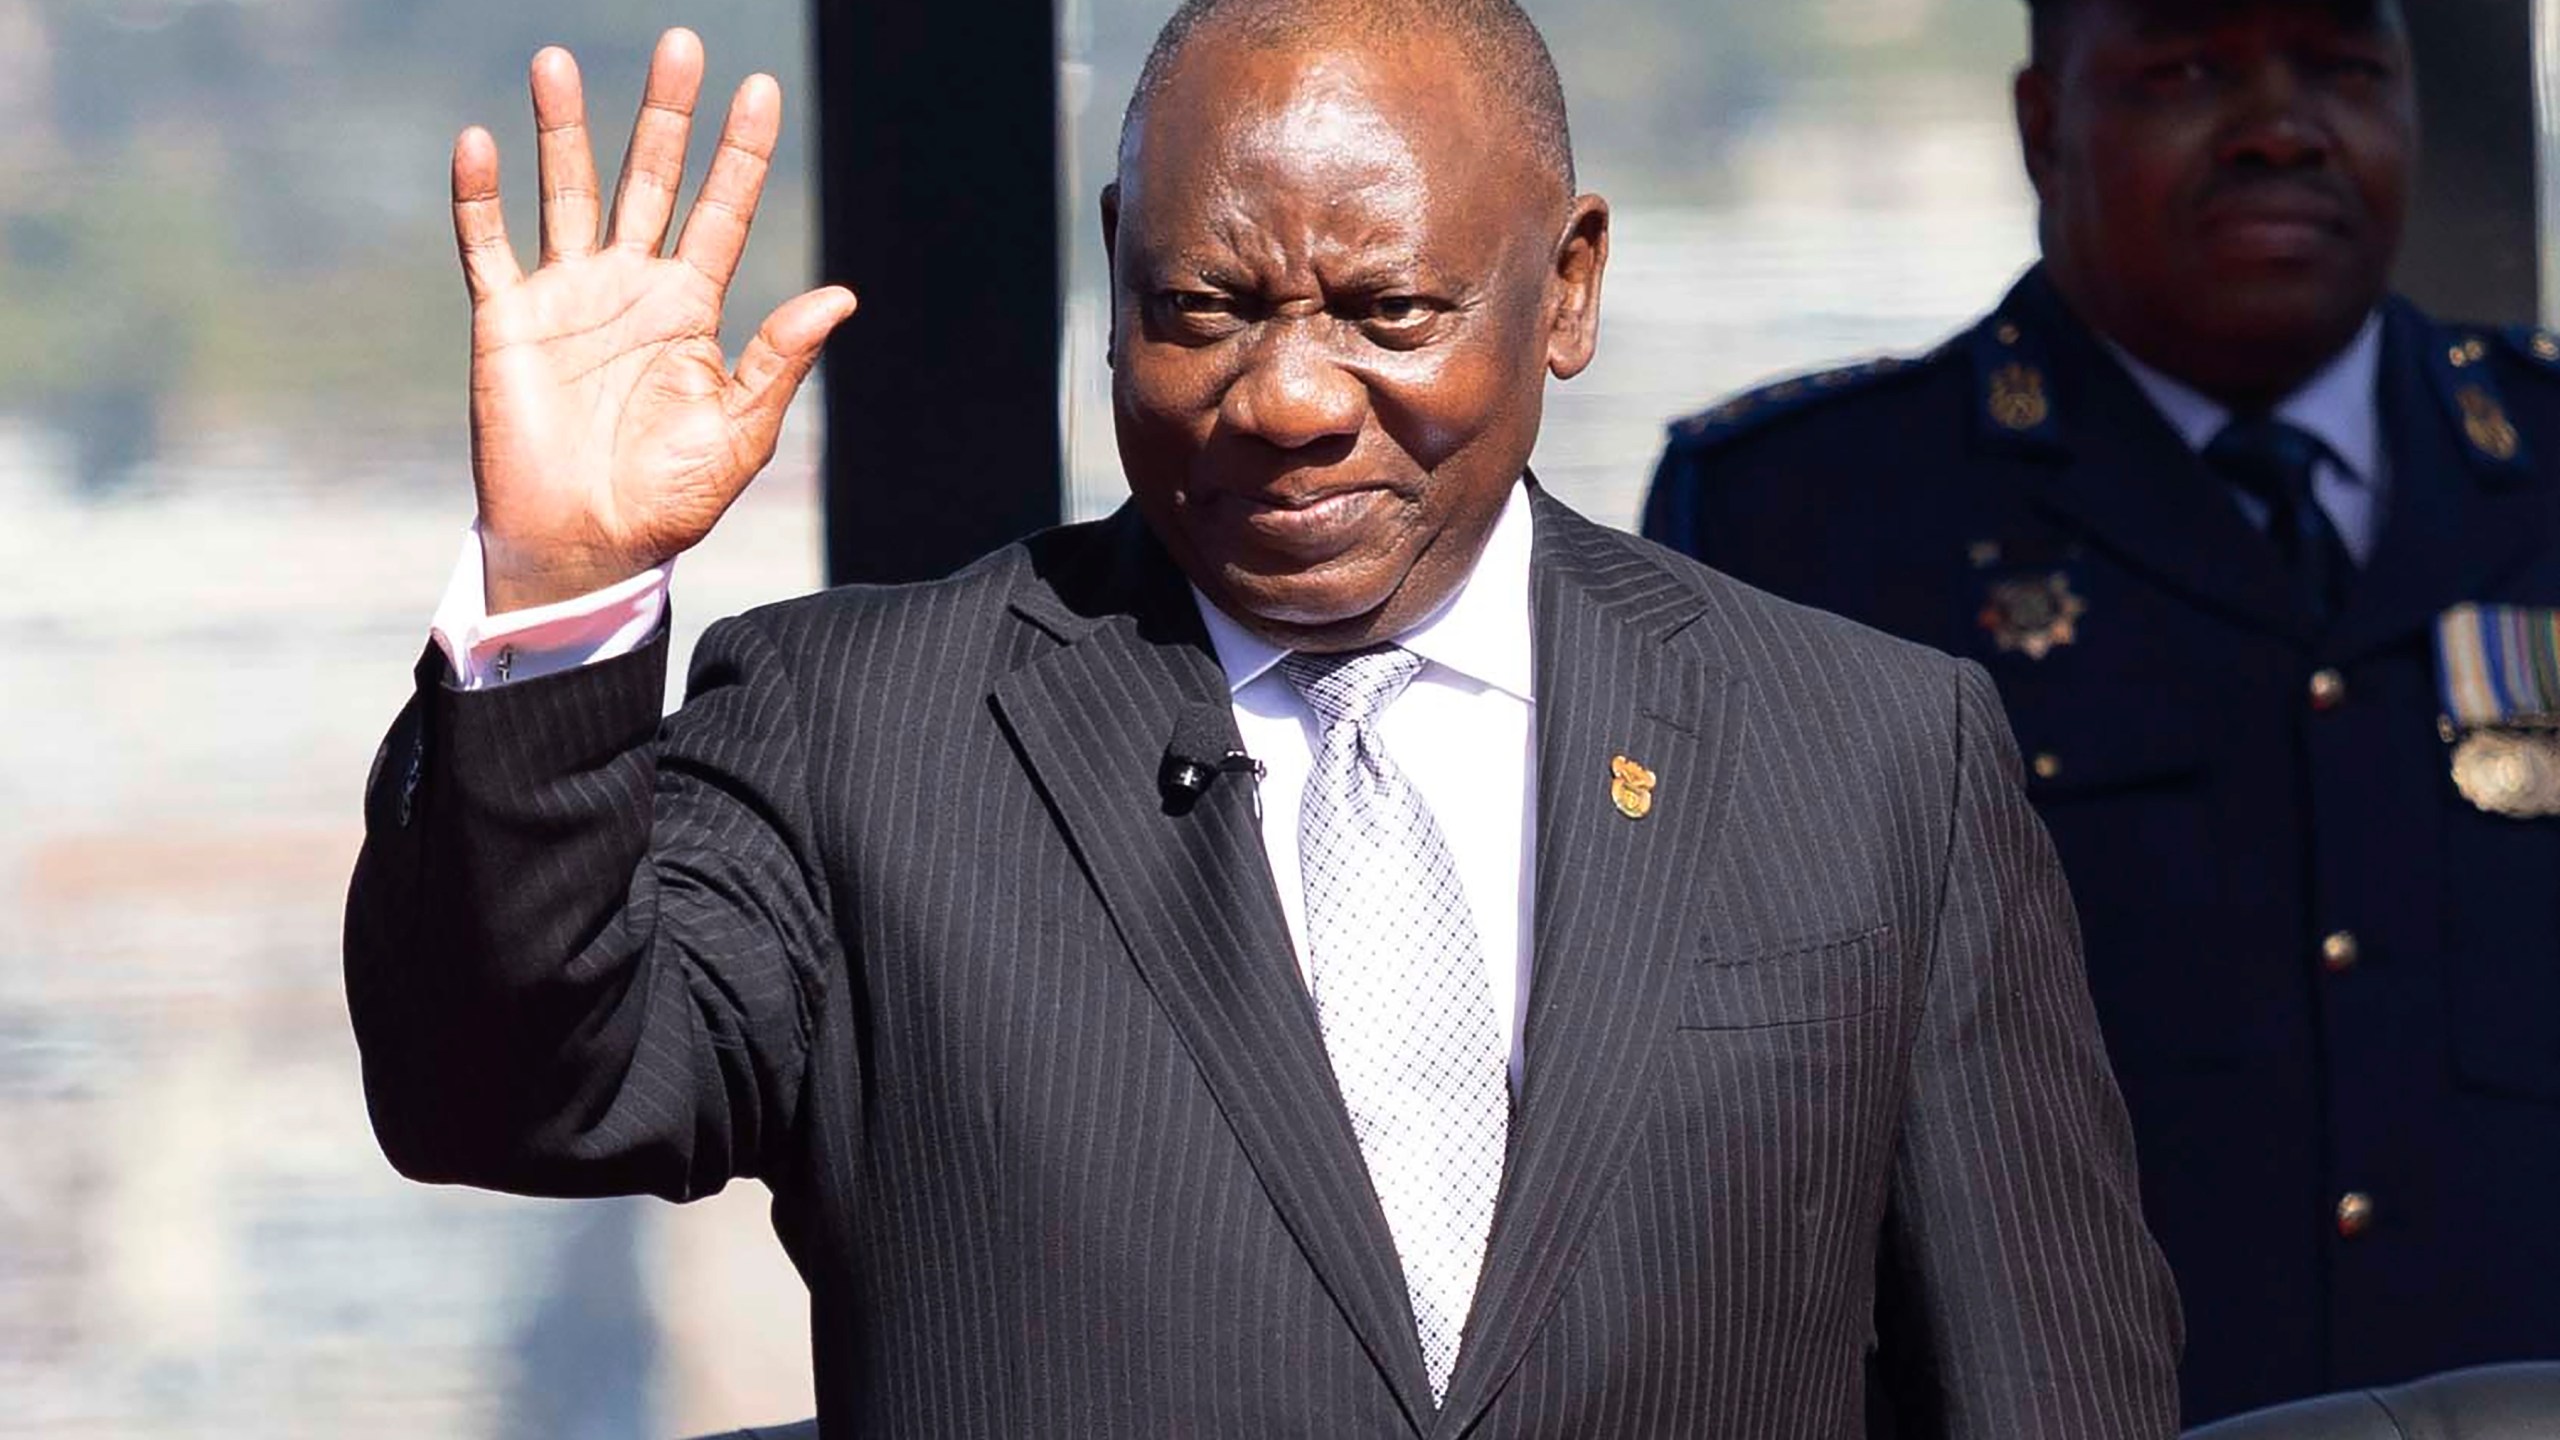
1301,526
2277,227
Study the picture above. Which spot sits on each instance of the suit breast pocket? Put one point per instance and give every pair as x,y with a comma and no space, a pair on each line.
1793,985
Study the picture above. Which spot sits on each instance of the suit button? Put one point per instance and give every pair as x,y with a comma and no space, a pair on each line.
2340,952
2328,691
2355,1214
2048,767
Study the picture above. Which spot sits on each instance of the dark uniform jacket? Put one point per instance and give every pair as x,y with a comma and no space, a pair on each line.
897,917
2330,984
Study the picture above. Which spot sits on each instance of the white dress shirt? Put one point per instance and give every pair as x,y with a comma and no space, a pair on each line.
2340,404
1463,731
486,650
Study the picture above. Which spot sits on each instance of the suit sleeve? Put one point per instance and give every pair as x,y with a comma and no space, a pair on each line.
2022,1294
584,950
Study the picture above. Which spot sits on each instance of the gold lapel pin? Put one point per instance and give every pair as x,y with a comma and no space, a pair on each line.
1631,788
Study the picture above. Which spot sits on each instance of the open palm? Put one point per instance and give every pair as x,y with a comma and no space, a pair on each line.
608,432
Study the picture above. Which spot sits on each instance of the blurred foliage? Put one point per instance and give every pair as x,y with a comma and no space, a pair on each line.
1658,89
219,215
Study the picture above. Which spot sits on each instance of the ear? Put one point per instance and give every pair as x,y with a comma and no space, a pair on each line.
1573,288
2032,96
1111,274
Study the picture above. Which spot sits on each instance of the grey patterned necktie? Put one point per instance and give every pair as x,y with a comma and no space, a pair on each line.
1401,994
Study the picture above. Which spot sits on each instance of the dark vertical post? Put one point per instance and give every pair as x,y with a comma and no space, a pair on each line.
937,187
2473,250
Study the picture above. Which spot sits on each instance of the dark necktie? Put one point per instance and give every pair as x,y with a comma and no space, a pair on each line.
2273,461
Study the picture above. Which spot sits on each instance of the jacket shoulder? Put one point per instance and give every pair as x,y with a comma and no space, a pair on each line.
1788,404
2529,350
2497,386
1781,646
873,613
957,630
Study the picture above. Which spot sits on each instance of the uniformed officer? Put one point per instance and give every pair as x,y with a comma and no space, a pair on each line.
2253,550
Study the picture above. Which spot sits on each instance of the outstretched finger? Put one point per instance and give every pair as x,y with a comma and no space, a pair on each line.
653,168
715,234
570,205
479,225
780,357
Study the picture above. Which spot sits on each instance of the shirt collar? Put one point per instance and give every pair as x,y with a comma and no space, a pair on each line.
2337,404
1481,632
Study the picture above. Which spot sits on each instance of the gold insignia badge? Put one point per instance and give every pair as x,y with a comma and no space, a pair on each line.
2037,615
2546,346
1631,788
2486,424
2017,397
2508,772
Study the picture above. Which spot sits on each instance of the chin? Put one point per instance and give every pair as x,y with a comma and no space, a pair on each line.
1297,602
2289,314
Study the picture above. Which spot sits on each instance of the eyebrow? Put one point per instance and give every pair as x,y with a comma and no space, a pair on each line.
1379,272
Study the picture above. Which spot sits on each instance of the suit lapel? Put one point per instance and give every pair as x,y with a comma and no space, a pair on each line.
2458,519
1615,898
1191,895
2130,483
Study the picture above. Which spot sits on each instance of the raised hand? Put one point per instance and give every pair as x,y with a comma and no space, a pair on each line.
608,434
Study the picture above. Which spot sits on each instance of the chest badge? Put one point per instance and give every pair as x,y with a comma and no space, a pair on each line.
1631,788
2505,773
2499,671
2033,615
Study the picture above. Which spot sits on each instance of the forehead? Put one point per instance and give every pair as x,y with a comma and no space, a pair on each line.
1342,141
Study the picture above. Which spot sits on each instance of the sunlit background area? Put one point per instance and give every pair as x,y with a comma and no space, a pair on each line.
233,473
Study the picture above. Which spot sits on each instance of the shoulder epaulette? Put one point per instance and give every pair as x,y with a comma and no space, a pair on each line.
1752,409
2459,371
2534,345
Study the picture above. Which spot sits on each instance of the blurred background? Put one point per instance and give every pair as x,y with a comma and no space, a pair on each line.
232,475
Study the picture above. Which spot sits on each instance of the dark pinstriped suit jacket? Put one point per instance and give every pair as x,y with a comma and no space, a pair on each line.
893,916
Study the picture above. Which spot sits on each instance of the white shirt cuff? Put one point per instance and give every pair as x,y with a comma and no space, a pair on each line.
487,650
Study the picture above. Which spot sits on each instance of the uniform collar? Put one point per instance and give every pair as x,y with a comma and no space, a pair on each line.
1481,632
2337,404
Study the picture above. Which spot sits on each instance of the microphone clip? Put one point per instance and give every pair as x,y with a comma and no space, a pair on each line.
1191,776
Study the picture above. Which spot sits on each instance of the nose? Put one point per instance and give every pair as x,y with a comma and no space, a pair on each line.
1292,392
2277,125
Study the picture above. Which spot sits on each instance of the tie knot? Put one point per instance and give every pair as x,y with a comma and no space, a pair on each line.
2268,458
1353,686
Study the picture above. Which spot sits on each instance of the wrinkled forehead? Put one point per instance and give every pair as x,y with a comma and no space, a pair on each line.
1348,141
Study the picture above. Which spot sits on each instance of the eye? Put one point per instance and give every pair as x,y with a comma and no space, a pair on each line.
2364,69
1400,320
1197,315
2180,72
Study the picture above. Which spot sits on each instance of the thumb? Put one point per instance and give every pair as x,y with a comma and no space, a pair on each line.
780,356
